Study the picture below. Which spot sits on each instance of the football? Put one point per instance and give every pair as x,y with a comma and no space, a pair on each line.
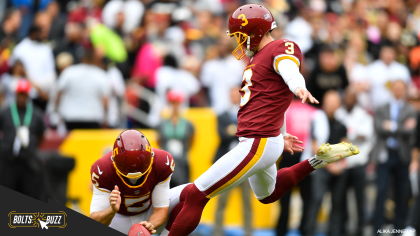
138,230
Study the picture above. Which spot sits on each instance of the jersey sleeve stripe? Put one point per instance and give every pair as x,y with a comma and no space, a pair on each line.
166,179
278,58
103,189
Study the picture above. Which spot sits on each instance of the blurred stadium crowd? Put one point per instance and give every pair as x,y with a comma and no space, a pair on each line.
122,64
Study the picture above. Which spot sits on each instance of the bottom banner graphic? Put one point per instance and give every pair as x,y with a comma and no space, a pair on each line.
21,215
37,220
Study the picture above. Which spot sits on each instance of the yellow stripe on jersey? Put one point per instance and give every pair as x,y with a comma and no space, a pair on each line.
253,161
103,190
165,179
285,57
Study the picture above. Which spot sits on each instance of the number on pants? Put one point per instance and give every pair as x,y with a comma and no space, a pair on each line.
130,202
291,48
247,78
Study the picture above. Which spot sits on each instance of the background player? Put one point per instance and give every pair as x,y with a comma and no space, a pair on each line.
270,79
132,184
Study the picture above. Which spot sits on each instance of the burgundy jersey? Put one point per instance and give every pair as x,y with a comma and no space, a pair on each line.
265,95
135,198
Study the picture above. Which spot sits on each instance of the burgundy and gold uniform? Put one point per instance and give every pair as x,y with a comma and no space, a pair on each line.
135,198
265,95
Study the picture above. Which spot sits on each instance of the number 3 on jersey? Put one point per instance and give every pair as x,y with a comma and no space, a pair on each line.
290,48
247,91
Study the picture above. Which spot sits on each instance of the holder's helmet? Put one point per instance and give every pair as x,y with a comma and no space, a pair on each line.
249,23
132,154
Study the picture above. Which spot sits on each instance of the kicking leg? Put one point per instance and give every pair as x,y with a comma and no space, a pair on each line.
282,181
269,185
247,158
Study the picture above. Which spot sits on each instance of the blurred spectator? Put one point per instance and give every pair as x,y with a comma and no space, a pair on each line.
83,92
358,78
4,57
300,31
384,71
82,11
3,5
171,77
218,79
123,16
299,117
331,177
413,217
73,42
28,9
395,123
43,20
38,61
360,132
58,21
227,126
414,214
147,61
176,135
329,74
208,30
9,34
8,83
117,86
22,127
63,60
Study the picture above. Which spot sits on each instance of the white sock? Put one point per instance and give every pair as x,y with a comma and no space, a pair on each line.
316,163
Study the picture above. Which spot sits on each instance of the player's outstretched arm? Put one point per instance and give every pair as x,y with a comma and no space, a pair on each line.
289,71
105,217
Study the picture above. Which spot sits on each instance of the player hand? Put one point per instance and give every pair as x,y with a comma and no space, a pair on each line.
305,95
290,144
115,199
148,226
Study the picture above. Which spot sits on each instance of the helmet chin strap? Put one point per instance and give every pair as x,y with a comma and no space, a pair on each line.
248,51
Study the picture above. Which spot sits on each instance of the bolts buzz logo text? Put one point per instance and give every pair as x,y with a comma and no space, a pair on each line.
37,220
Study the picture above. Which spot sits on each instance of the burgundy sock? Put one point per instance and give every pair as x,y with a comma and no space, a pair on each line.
287,178
190,215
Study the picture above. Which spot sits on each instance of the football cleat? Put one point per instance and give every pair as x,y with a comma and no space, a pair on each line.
327,154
